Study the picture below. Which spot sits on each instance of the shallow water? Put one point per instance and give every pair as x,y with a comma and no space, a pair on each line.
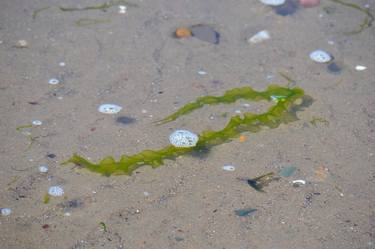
133,60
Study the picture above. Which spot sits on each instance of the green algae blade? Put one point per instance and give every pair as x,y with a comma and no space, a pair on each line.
104,6
231,96
367,21
89,22
283,112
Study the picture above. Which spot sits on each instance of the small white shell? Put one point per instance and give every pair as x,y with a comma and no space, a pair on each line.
229,168
360,68
183,139
259,37
109,108
122,9
55,191
43,169
53,81
5,211
320,56
273,2
299,182
37,122
201,72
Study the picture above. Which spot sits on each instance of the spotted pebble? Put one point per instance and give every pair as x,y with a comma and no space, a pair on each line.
183,139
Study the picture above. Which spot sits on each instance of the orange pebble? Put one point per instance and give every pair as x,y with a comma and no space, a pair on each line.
182,32
243,138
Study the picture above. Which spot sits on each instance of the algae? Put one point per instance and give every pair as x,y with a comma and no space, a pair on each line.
46,199
103,226
89,21
282,112
367,21
37,11
315,120
104,6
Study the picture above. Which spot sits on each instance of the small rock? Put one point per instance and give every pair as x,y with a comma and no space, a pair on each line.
22,44
309,3
321,56
43,169
205,33
182,32
259,37
37,122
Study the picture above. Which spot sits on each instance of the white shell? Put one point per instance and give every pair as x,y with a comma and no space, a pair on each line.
273,2
320,56
37,122
55,191
201,72
122,9
43,169
53,81
299,182
5,211
360,68
229,168
183,139
109,108
259,37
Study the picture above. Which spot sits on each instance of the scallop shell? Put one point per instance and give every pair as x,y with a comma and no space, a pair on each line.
183,139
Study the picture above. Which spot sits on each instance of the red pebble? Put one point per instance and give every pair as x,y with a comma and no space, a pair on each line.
309,3
45,226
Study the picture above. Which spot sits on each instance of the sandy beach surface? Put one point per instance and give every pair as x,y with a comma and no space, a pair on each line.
133,60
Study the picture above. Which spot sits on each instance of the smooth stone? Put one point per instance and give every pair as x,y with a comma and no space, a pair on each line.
309,3
205,33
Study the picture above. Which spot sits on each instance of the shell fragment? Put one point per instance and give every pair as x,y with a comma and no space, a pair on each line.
273,2
109,108
321,56
55,191
259,37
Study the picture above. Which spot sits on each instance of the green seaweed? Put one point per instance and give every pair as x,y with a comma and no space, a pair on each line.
367,21
21,127
282,112
89,21
27,134
37,11
104,6
231,96
315,120
103,226
46,199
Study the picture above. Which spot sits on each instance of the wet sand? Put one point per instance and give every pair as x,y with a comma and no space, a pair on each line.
134,61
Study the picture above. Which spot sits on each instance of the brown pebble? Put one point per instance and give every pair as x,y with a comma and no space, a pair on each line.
182,32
